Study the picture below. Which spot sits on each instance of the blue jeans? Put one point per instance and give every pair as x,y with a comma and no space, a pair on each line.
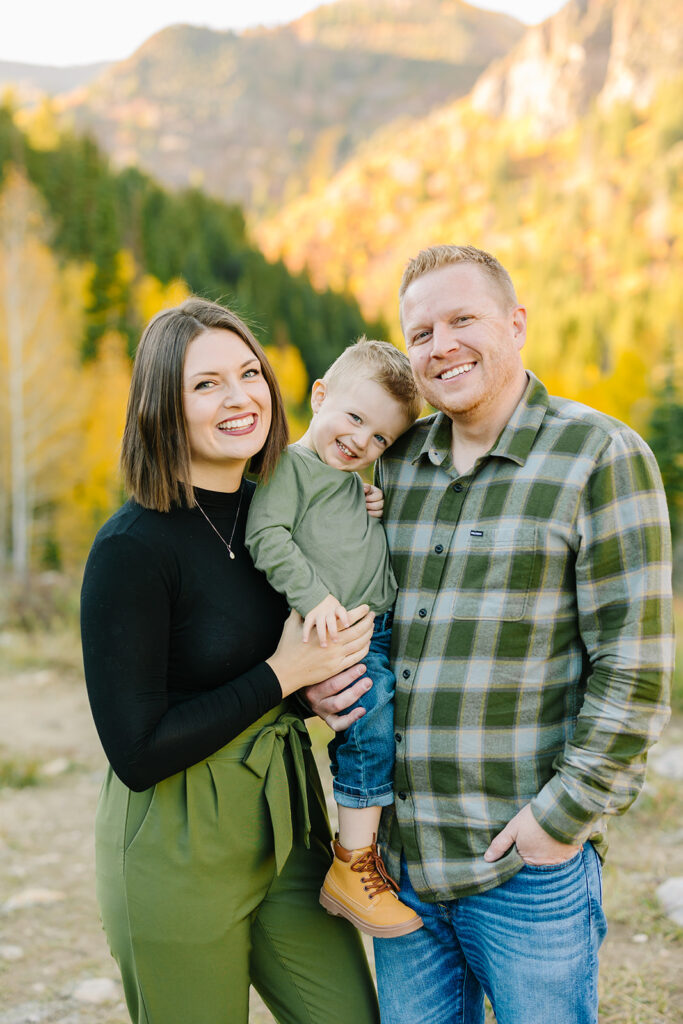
531,944
362,756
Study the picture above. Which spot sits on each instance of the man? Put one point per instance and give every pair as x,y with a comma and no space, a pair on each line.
532,648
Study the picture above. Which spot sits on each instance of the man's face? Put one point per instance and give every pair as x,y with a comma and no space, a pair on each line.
463,342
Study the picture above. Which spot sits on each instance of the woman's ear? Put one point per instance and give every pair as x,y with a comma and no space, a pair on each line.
318,392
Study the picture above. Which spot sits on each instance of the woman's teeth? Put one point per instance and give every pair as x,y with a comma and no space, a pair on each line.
240,424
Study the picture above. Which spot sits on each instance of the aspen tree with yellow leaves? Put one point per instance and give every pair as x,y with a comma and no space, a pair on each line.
40,315
293,380
150,296
94,484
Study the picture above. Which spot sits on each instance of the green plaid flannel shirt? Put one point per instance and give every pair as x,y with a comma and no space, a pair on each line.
533,636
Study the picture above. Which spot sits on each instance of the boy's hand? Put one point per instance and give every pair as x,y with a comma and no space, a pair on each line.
374,500
324,617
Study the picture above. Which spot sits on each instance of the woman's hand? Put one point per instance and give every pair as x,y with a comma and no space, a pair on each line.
374,500
297,664
329,699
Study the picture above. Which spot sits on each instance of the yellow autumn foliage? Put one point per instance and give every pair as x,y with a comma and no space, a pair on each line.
290,372
40,124
150,296
94,481
41,401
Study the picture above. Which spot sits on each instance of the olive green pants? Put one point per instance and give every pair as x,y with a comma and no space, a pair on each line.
209,881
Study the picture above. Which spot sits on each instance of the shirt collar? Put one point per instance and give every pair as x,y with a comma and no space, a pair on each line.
437,444
514,442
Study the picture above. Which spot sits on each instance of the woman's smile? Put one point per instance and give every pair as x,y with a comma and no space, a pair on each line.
241,425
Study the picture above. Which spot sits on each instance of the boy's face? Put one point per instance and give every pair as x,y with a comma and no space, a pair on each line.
354,422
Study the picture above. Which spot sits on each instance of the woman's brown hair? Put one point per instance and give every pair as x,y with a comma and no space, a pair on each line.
155,453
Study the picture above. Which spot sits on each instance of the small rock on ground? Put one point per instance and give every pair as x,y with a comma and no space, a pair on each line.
668,762
11,952
33,898
670,895
97,990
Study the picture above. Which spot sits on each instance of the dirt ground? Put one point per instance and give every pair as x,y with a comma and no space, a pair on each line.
54,962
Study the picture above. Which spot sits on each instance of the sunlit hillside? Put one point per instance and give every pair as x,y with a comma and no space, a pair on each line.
589,224
259,116
584,208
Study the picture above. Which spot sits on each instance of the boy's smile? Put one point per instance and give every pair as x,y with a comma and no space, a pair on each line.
353,423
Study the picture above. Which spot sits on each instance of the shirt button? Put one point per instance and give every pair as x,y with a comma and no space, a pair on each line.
401,795
398,737
457,487
422,612
438,548
406,673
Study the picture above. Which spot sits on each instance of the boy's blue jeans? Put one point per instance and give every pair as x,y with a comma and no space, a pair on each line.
531,944
362,756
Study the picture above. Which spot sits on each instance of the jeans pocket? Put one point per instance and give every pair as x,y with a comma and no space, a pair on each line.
559,866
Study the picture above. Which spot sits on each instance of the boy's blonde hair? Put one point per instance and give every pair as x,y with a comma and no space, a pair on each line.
383,363
437,256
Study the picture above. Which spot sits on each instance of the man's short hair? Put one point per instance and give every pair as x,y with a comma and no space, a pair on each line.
381,362
437,256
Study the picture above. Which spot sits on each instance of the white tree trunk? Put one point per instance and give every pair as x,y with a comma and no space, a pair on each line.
14,236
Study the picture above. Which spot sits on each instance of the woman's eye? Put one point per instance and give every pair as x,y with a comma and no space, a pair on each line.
204,384
253,372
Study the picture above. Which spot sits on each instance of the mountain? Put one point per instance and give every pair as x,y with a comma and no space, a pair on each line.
587,218
257,117
447,30
33,80
431,179
591,51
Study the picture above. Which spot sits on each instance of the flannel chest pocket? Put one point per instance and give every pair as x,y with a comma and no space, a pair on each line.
498,564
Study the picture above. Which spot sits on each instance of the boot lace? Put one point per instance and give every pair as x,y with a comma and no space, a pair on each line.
378,880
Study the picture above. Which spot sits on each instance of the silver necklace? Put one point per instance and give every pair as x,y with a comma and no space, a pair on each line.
222,539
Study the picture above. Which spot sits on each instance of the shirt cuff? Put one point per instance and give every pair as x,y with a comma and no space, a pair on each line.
561,816
266,688
313,598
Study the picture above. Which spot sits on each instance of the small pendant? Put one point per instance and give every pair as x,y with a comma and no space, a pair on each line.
231,554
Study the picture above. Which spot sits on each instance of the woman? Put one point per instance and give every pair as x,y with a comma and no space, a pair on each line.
211,837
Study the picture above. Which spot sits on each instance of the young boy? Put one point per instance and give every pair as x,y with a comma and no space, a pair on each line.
310,532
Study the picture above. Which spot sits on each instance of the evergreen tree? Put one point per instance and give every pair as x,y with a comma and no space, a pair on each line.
665,437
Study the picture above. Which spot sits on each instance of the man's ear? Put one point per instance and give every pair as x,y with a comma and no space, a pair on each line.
318,392
519,326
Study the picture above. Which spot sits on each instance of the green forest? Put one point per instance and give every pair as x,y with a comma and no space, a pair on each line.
87,255
587,222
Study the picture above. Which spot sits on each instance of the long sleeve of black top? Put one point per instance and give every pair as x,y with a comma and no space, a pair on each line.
175,637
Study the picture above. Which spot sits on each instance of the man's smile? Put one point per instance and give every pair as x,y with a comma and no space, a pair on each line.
457,371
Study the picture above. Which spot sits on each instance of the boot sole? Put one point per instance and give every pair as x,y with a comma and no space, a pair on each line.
390,931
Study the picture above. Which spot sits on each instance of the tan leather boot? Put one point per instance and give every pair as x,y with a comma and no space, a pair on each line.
358,888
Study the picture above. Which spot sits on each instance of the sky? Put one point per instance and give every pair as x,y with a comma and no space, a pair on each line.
83,32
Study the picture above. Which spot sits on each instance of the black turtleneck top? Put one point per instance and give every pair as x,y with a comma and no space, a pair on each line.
175,636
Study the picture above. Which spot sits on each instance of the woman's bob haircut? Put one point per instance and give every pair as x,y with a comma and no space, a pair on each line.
155,453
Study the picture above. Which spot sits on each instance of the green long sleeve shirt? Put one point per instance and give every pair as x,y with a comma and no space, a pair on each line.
532,639
309,531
